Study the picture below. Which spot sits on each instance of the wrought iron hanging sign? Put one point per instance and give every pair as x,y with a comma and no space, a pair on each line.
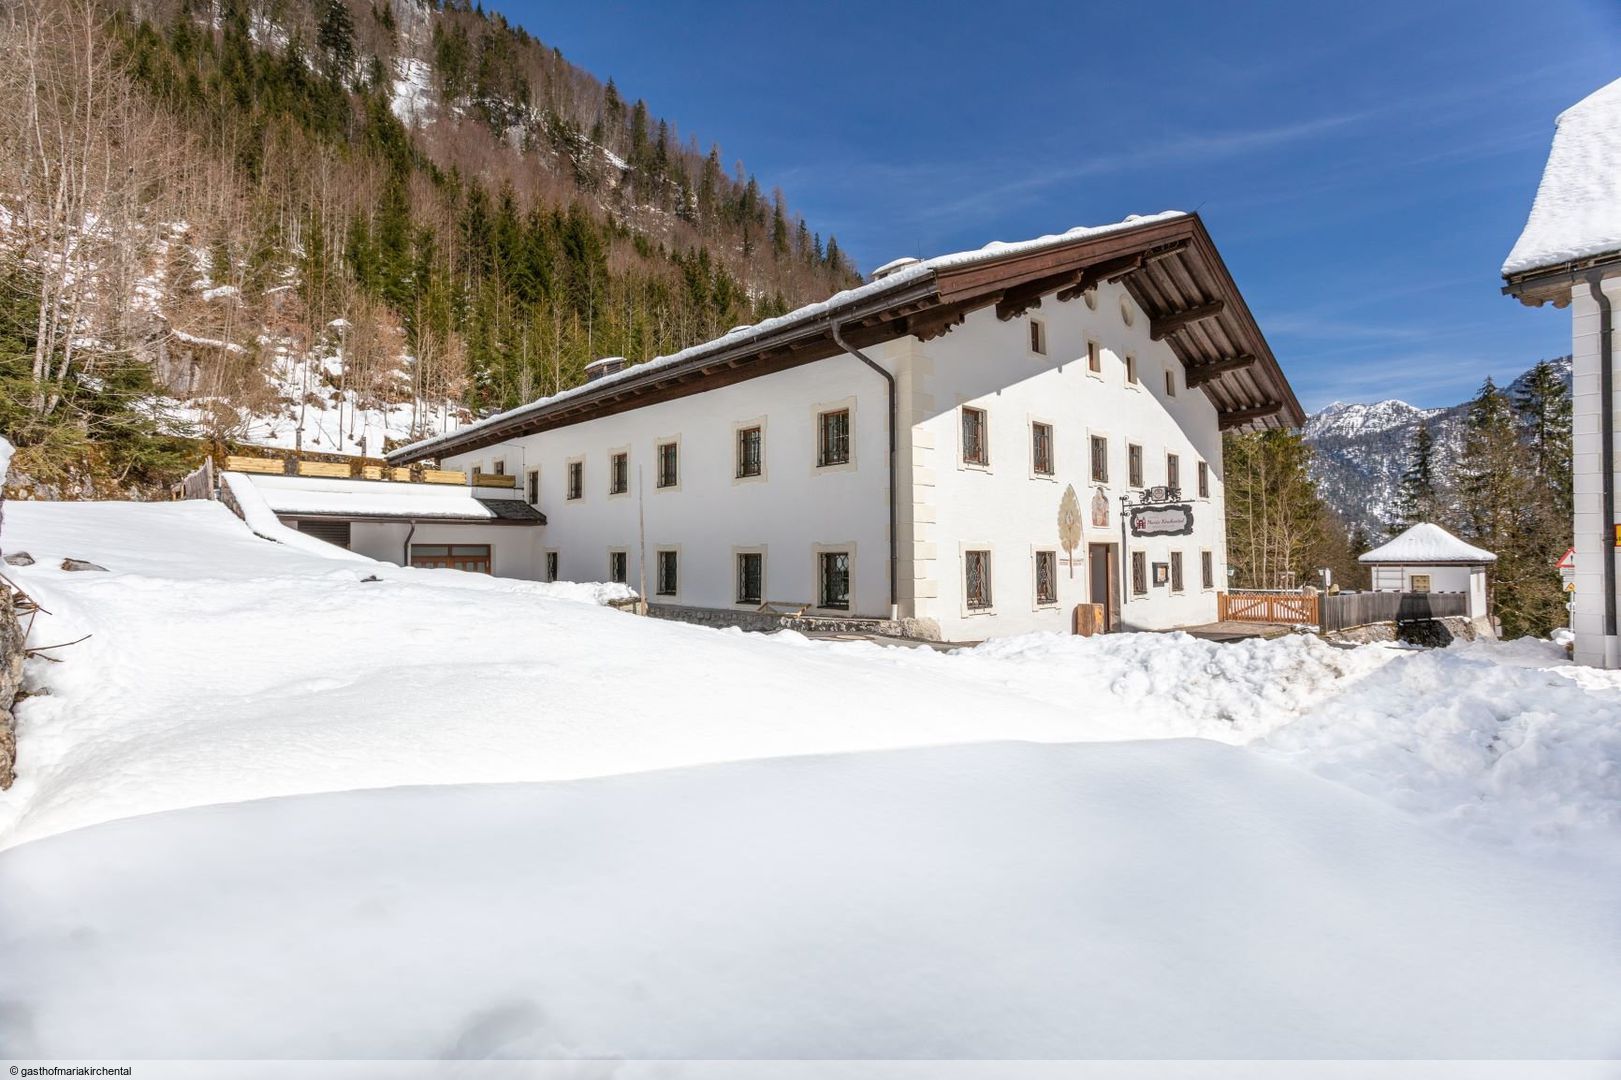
1160,513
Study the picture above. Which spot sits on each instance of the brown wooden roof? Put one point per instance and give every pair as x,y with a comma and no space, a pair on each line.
1169,265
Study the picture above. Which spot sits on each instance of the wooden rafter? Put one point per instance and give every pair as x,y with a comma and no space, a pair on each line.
1022,298
1199,374
1238,417
1172,321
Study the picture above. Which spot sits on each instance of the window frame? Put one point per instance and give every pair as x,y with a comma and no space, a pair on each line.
1038,337
1132,378
981,555
823,462
623,555
1413,580
738,555
574,480
1173,470
659,556
1134,465
821,553
1178,575
1094,359
1170,380
673,444
1202,469
1207,570
1095,441
615,456
739,430
981,460
532,487
1036,470
1037,556
553,565
1139,572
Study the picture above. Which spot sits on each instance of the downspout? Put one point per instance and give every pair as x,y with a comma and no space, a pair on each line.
894,548
1595,278
405,554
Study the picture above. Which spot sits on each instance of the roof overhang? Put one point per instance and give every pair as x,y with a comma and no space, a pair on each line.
1553,284
1169,266
407,519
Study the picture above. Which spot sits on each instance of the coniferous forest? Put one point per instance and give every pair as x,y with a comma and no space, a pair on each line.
428,200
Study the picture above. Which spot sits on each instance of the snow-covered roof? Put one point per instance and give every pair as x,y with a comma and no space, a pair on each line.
294,495
892,281
1425,545
1577,211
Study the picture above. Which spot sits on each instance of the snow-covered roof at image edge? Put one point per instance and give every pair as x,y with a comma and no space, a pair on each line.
1577,212
1427,544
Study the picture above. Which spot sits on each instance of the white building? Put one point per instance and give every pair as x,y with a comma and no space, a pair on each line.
1428,559
903,450
1570,254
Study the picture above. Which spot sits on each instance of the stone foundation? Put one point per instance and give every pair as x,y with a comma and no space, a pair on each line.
1431,633
765,622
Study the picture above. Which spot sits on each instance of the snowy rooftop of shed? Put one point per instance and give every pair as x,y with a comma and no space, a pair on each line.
1577,211
1426,544
378,499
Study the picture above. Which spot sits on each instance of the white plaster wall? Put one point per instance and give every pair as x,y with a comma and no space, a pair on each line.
793,510
1591,530
1464,579
1007,509
513,548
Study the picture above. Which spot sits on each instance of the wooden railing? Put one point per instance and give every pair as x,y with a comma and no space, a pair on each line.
1298,609
1348,609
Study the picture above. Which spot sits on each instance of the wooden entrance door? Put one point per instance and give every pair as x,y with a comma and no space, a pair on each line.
1101,569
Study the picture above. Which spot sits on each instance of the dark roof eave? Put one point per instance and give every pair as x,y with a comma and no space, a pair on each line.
1544,283
408,519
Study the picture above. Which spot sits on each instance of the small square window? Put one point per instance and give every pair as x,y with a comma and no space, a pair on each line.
618,567
750,444
669,474
1131,369
619,473
1041,449
1134,465
1421,583
974,450
833,439
1038,337
1094,358
750,577
977,579
576,480
1100,460
834,571
667,573
1046,577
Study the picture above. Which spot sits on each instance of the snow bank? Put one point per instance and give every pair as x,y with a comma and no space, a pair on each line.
1504,742
1172,899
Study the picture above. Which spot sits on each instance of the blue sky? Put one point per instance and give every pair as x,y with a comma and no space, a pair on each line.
1363,168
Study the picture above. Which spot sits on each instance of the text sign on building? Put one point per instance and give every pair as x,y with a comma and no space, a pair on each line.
1162,520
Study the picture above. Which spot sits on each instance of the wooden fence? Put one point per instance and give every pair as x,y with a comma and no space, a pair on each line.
1339,611
1361,608
1296,608
198,484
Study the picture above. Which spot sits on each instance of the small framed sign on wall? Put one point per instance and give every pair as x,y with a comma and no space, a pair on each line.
1162,573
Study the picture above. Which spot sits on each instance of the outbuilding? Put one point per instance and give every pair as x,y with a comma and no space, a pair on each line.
1428,559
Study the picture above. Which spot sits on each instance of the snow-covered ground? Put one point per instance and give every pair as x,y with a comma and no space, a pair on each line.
425,813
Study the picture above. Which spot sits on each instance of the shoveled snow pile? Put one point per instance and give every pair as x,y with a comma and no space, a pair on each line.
712,844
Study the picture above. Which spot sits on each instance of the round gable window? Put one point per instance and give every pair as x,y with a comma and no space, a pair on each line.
1126,315
1091,298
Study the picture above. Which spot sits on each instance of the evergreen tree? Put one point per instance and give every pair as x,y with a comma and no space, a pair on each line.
1275,519
1419,497
336,36
1543,404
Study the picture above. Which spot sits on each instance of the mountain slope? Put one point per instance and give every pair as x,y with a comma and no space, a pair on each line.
1361,451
